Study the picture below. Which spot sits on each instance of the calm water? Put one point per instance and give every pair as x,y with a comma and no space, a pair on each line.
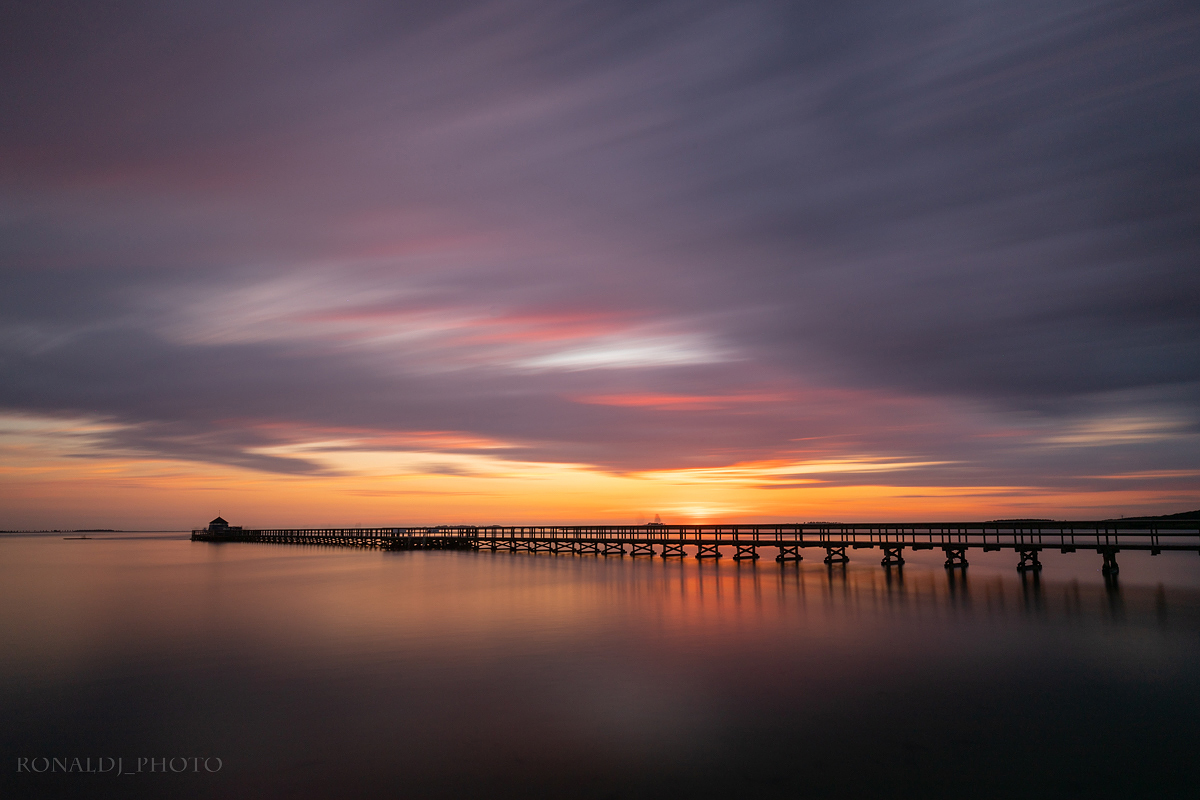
338,673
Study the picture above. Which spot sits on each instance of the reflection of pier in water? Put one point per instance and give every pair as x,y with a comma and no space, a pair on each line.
1025,538
927,594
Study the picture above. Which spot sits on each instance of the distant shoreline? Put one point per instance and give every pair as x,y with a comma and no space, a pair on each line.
93,530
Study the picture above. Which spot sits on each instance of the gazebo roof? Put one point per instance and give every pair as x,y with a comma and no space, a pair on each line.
218,521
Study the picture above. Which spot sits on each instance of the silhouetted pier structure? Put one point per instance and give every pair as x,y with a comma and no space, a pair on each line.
1027,539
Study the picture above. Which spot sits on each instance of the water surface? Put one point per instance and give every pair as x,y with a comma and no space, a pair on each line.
322,672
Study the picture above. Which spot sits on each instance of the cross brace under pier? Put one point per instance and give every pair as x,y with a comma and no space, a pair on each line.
1029,560
892,556
745,551
836,555
789,553
955,557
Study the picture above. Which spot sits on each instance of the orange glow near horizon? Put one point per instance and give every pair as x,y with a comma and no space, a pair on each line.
159,494
59,474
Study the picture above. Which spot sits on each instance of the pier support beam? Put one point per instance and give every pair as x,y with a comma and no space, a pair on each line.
1029,560
673,550
1110,561
746,551
836,555
587,548
708,551
613,549
641,549
955,557
892,556
789,552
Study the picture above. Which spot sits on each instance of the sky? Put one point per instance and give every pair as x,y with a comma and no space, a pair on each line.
359,263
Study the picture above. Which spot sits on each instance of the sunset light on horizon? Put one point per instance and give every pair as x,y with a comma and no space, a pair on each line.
69,478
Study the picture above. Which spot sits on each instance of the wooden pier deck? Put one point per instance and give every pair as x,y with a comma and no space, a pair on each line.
1028,539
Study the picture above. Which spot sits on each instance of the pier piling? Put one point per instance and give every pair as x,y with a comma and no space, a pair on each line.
955,557
1029,559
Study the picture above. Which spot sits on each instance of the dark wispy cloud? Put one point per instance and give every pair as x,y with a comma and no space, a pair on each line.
640,236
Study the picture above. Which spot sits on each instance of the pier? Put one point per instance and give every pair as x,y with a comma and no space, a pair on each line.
789,542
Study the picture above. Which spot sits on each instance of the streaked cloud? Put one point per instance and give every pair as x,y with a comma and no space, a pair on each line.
794,474
630,352
1122,430
683,402
1151,474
